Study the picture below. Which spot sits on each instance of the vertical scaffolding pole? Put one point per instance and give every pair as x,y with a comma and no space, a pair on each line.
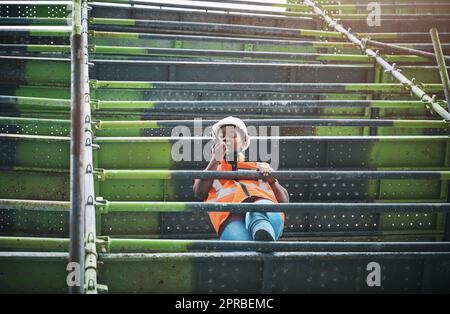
92,287
76,247
441,63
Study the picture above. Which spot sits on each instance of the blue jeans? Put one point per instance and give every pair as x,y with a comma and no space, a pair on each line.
237,227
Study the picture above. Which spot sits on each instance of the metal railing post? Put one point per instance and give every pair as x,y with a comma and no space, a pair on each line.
76,247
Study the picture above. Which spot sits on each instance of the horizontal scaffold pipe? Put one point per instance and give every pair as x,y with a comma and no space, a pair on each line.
273,87
254,41
115,245
345,5
243,2
172,245
285,139
296,139
39,2
210,54
354,88
27,137
280,44
35,102
223,106
410,36
108,174
253,67
34,48
64,31
198,106
294,6
408,17
22,204
267,11
260,256
237,29
20,58
33,21
114,62
19,170
395,73
37,31
21,120
104,206
400,49
116,124
117,25
184,37
226,256
35,256
232,54
34,244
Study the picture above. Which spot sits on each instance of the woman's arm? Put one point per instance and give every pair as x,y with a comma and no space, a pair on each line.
201,187
280,192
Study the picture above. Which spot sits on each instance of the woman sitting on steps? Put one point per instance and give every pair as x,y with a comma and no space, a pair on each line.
227,154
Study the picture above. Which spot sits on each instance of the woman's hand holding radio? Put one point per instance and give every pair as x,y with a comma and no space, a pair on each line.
218,151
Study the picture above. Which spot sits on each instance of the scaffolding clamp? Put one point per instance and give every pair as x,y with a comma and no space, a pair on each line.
95,104
87,130
392,69
418,84
100,174
93,84
364,42
428,104
97,124
407,86
333,24
103,244
90,249
91,262
91,287
101,205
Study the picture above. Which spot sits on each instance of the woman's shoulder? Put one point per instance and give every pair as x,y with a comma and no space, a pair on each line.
248,164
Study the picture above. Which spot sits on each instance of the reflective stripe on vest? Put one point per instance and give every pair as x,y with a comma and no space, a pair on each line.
262,185
221,191
265,186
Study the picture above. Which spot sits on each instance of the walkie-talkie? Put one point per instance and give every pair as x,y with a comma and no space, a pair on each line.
232,159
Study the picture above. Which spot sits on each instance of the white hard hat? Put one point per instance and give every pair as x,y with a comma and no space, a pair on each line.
237,123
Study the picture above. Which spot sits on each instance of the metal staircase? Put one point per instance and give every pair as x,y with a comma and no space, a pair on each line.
363,143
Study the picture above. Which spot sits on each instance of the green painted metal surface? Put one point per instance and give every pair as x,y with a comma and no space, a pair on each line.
149,69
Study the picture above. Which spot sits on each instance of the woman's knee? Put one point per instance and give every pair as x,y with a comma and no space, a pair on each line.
253,217
235,230
276,220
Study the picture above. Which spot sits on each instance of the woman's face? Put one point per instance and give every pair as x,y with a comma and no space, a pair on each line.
232,138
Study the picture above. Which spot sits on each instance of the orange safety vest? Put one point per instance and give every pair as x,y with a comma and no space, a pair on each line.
236,191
